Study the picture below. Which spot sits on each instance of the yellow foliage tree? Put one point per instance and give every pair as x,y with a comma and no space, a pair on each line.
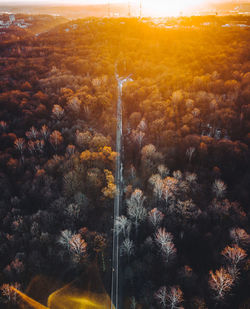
110,189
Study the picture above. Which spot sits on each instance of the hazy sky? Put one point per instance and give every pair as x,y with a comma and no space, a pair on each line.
156,7
102,1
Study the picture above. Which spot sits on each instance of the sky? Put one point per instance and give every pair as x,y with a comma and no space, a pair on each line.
151,2
156,7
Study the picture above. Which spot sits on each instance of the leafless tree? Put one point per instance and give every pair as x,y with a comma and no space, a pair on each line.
3,125
55,139
178,175
191,178
161,296
65,238
123,224
174,297
57,112
133,303
20,146
137,137
32,133
219,188
220,282
9,293
189,153
75,104
169,297
70,150
142,126
163,170
240,237
127,247
164,240
44,132
31,147
83,138
155,217
168,194
132,172
186,209
135,210
77,247
73,211
158,185
235,255
40,144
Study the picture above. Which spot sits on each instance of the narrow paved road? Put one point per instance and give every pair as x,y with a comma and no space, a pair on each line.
115,301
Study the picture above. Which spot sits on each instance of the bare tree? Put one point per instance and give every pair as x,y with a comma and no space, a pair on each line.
32,133
178,175
65,238
9,293
133,303
137,137
158,185
219,188
164,240
189,153
142,126
127,247
155,217
191,178
73,211
163,170
240,237
40,144
135,210
83,138
57,112
123,224
169,297
77,247
220,282
70,150
20,146
235,255
75,104
161,296
174,297
44,132
31,147
3,125
55,139
186,209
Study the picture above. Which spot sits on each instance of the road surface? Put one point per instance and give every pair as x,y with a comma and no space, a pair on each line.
115,299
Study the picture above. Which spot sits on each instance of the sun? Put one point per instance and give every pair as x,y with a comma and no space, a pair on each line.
169,7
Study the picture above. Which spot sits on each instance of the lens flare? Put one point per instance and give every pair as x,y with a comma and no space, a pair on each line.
86,292
33,303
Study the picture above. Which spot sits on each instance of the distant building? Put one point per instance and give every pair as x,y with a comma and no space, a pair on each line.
206,24
12,18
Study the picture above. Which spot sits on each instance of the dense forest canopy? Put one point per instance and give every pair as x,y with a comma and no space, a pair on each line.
186,134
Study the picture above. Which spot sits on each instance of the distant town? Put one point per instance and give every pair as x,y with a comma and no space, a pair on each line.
12,21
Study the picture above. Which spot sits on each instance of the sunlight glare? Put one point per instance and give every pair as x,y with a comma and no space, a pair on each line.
170,8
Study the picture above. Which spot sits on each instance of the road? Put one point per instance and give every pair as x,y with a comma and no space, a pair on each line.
115,295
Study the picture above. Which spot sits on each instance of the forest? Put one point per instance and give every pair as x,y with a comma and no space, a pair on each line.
184,228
